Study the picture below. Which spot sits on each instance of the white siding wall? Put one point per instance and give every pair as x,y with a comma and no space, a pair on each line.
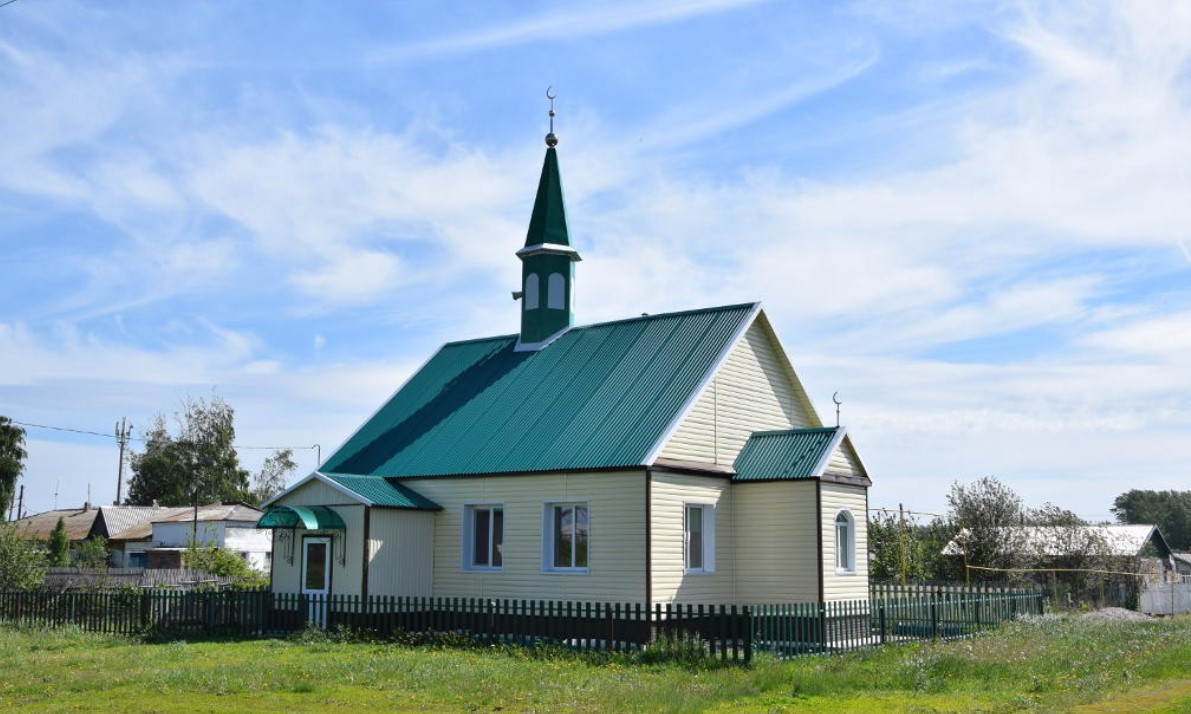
669,495
177,534
401,544
777,548
844,462
345,576
847,586
616,503
753,391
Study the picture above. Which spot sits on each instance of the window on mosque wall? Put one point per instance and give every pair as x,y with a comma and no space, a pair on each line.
845,543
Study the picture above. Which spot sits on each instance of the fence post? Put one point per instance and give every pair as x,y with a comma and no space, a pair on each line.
881,618
934,616
748,634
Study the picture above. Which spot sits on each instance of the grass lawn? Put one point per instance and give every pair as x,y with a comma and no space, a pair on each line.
1043,664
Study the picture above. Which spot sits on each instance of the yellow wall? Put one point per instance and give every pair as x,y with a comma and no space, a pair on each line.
401,544
616,510
777,547
844,586
669,495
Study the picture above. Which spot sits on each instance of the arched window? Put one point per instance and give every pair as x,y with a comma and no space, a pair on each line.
845,542
531,291
556,298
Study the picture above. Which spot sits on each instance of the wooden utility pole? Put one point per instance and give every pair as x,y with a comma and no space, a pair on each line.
123,430
901,515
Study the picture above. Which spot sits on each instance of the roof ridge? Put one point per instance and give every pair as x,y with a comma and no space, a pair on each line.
803,430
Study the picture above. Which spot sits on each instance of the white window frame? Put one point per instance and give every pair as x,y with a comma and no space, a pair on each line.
548,565
532,292
843,567
468,557
708,516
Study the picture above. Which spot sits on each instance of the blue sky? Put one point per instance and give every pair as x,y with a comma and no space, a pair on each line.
972,221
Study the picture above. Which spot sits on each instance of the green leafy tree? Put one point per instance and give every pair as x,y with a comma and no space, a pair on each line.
911,545
93,553
1169,510
22,563
987,516
12,462
59,545
200,464
270,480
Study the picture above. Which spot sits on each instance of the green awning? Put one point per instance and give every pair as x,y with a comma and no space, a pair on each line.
312,518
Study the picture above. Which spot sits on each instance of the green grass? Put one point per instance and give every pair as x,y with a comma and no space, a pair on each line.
1047,664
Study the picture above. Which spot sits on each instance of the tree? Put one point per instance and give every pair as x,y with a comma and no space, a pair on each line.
93,553
985,514
1169,510
59,546
270,480
199,465
22,563
916,547
12,462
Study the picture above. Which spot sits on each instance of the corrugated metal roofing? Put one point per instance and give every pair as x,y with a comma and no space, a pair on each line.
383,492
117,521
778,455
599,396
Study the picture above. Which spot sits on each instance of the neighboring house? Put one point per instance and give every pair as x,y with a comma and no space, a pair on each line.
1182,565
1142,545
123,526
663,458
228,526
39,526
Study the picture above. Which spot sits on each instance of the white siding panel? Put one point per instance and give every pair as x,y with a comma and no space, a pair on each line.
844,462
844,586
401,544
753,391
669,494
616,503
776,540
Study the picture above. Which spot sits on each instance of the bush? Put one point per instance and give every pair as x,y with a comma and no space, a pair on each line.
22,563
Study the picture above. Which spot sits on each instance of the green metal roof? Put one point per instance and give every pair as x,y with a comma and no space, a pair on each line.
599,396
784,455
383,492
548,222
312,518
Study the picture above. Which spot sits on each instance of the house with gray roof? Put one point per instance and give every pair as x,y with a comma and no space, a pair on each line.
657,459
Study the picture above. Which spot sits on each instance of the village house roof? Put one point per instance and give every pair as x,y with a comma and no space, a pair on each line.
122,522
1118,540
78,522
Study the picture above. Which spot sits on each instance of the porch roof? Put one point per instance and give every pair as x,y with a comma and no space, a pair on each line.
312,518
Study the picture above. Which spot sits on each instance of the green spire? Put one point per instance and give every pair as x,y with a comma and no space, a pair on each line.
548,223
547,260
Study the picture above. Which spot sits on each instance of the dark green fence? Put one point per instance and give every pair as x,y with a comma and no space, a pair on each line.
729,632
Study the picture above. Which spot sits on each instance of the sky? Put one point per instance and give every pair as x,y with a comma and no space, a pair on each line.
972,221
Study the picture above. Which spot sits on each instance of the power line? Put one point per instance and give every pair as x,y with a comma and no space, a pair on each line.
7,3
140,438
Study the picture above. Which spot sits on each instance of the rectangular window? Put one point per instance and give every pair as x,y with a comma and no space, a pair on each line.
484,528
699,538
566,536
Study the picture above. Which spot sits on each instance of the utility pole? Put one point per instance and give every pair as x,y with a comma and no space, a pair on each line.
21,504
901,513
123,430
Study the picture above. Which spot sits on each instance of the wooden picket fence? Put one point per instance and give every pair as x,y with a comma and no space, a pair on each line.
728,632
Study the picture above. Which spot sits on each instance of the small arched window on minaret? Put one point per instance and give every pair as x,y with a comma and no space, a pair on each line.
556,297
531,291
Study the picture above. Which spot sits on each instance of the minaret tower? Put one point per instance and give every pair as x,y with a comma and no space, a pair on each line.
547,260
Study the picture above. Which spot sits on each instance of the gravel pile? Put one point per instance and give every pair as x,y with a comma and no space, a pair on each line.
1114,613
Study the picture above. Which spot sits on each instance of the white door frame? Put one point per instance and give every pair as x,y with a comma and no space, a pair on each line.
318,607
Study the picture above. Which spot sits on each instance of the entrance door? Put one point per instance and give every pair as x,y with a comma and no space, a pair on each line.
316,578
